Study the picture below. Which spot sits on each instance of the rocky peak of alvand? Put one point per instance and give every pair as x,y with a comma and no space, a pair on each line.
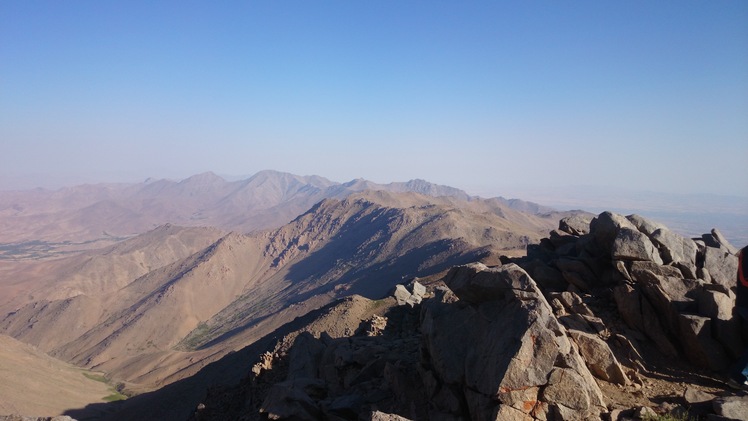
609,317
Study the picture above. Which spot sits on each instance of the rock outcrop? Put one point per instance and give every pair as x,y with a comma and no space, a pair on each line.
653,273
494,344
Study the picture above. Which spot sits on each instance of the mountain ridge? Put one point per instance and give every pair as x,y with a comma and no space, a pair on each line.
108,212
242,286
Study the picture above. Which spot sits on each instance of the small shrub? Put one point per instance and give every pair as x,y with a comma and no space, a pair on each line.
96,377
669,417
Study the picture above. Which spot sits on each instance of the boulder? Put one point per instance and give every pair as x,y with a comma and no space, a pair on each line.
675,248
722,266
638,313
401,294
475,283
411,298
679,292
630,244
575,224
722,242
501,342
567,388
604,229
599,358
698,345
733,407
718,306
644,225
419,290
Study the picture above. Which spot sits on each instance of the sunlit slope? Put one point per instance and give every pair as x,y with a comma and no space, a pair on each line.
34,383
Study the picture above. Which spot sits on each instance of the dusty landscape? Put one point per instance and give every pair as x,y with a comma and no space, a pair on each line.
213,318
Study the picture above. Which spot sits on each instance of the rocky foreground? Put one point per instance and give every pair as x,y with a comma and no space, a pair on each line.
614,318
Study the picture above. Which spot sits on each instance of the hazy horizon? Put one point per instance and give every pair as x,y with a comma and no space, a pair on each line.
637,96
688,214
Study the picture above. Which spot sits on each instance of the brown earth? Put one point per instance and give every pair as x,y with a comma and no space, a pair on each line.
34,383
153,327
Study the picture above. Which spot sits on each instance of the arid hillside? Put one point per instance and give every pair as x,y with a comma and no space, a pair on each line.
34,383
100,271
158,322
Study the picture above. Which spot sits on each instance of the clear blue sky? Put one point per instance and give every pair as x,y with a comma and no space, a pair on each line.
649,95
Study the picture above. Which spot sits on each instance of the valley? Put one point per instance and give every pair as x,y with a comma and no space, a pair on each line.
156,307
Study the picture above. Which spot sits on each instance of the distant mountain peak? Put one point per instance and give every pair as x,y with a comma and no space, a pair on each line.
203,178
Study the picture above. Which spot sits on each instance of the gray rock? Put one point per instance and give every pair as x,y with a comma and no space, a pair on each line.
576,322
675,248
597,323
660,270
630,244
418,289
722,266
693,396
401,294
500,342
644,412
620,266
475,283
382,416
688,271
599,358
678,290
604,229
698,345
575,224
722,241
718,306
572,302
735,407
568,388
646,226
703,273
639,314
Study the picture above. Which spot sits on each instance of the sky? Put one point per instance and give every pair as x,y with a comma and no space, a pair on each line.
492,97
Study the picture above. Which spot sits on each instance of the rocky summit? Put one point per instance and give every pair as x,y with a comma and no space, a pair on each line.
612,317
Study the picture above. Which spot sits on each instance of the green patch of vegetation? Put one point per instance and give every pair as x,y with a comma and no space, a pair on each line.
96,377
375,304
195,338
116,396
669,417
116,391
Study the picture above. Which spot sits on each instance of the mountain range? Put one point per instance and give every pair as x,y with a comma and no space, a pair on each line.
288,297
89,215
150,283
